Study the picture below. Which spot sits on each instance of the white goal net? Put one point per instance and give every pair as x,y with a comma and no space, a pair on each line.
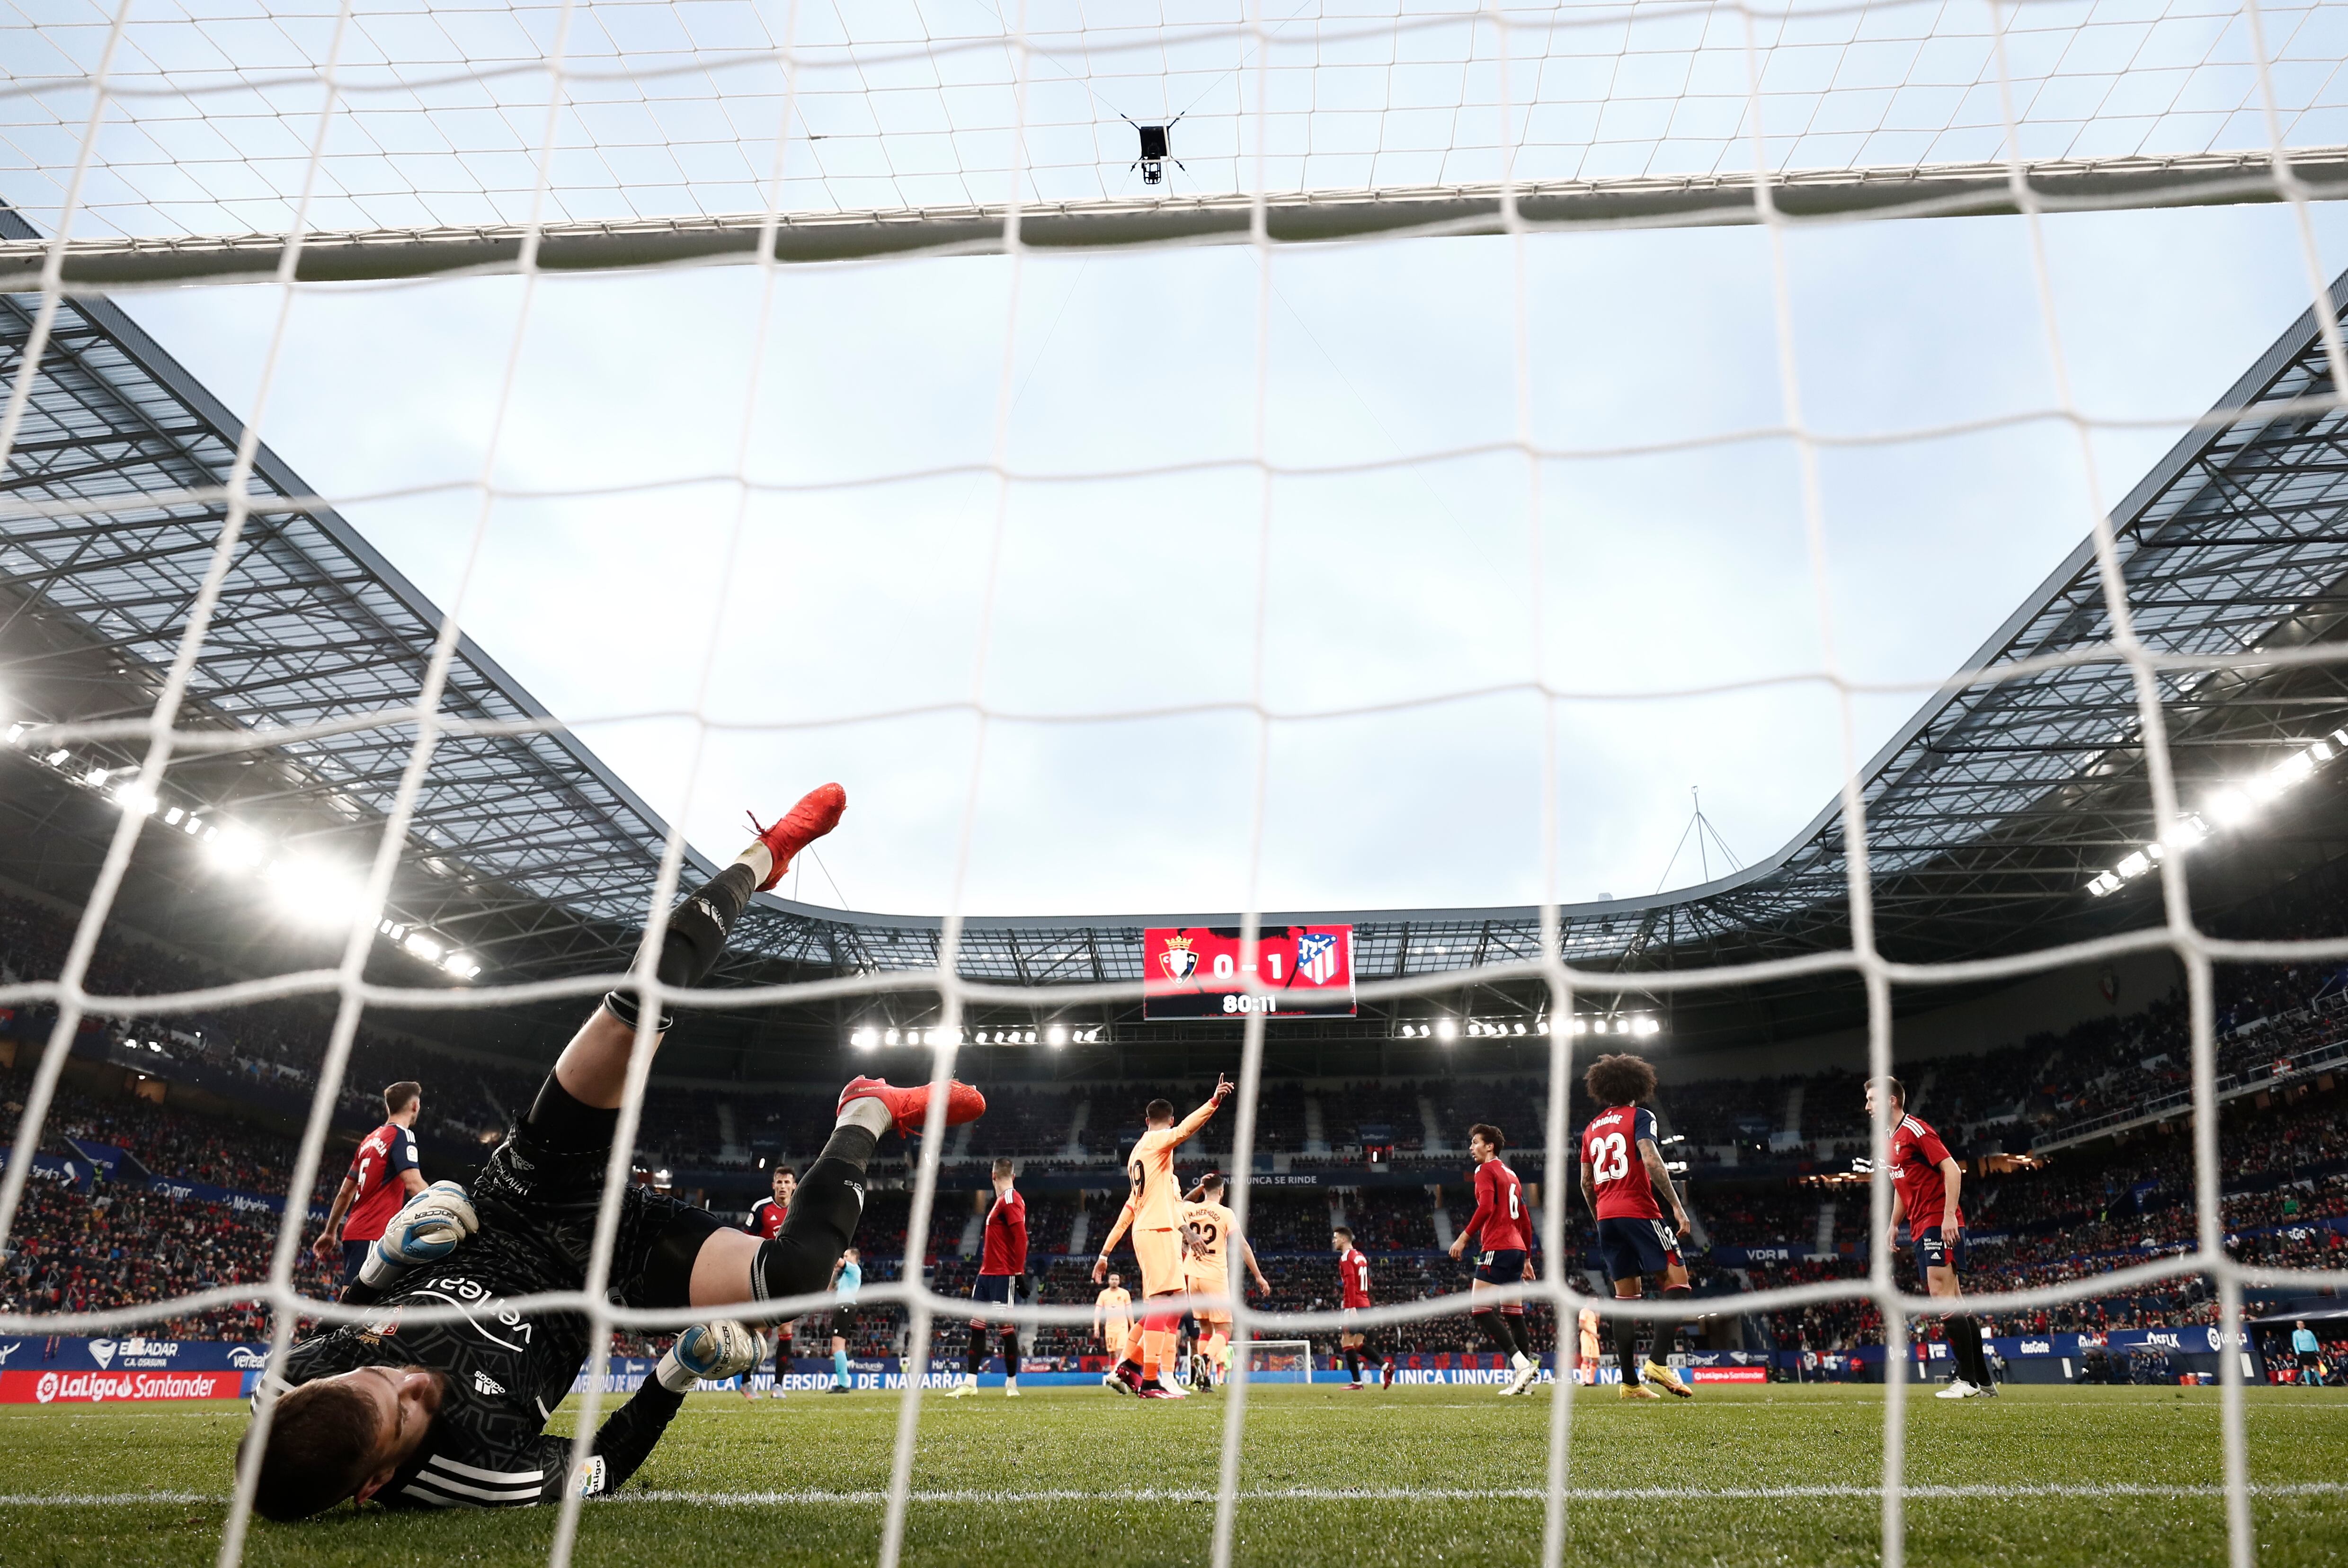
331,158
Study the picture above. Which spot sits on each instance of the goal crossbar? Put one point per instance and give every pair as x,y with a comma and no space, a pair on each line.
1937,190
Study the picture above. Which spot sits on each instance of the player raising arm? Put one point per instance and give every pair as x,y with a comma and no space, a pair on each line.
383,1176
1502,1220
1209,1231
1152,1215
1925,1180
1623,1192
453,1414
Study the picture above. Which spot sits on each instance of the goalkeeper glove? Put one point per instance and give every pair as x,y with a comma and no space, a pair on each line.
423,1232
710,1352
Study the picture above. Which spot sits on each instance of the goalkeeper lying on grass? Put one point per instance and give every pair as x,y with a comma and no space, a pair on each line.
453,1414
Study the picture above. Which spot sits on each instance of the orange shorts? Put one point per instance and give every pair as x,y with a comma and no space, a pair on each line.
1198,1284
1159,1253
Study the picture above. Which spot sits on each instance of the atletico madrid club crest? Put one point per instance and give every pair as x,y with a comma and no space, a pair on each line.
1180,960
1316,957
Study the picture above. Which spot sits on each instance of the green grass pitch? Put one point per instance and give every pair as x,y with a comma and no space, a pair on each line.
1424,1475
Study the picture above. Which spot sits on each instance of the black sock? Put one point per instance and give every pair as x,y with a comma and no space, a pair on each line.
1667,1329
567,1125
1626,1349
1515,1323
696,938
976,1358
1496,1329
1010,1353
1353,1366
824,1213
1965,1349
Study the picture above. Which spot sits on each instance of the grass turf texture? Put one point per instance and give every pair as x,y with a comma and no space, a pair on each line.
1142,1467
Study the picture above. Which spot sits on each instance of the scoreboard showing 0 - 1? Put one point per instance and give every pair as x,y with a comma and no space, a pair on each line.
1196,972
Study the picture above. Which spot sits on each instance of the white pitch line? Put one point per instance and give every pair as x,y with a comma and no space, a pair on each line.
1989,1490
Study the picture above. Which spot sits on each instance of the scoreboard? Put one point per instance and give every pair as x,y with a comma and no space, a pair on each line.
1197,972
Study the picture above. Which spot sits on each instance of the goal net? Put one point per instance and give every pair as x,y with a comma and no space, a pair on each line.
1382,631
1279,1361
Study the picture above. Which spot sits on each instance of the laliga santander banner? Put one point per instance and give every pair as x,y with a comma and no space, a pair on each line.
54,1388
1196,972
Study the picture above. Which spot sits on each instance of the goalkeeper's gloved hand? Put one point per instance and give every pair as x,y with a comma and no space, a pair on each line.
425,1231
710,1351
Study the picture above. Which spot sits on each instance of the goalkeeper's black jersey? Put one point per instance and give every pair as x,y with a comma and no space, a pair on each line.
506,1372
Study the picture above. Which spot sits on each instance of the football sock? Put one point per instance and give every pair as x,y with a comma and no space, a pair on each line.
696,935
1136,1340
1965,1348
839,1368
1219,1351
1353,1366
1522,1342
1625,1340
974,1360
1010,1353
1496,1329
829,1202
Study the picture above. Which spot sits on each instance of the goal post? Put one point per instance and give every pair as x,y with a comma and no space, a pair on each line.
1279,1361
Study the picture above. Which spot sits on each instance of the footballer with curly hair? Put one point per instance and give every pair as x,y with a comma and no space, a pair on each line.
1623,1178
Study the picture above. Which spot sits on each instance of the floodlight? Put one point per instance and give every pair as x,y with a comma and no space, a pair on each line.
57,759
457,963
1518,1028
171,817
99,775
234,847
865,1038
893,1038
423,947
2291,769
1446,1030
1648,1027
2133,865
2320,751
1056,1036
136,797
2230,807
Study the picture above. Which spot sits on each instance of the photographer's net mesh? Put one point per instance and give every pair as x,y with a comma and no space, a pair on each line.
384,143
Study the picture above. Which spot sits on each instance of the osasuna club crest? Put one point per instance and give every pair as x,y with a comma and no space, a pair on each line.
1179,961
1316,957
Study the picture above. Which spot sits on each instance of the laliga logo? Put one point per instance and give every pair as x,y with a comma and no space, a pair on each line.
102,1352
1178,961
47,1389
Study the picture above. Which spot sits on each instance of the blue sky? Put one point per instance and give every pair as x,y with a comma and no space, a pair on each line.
1662,573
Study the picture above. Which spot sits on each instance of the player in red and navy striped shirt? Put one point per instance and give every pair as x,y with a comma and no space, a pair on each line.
766,1222
382,1177
1504,1223
1925,1181
1623,1178
1002,1259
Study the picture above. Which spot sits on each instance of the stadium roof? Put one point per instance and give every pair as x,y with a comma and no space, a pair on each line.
1989,812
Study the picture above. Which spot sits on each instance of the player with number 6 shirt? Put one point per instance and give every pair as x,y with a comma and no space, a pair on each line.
1503,1223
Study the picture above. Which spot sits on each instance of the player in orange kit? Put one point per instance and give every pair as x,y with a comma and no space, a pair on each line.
1153,1213
1209,1232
